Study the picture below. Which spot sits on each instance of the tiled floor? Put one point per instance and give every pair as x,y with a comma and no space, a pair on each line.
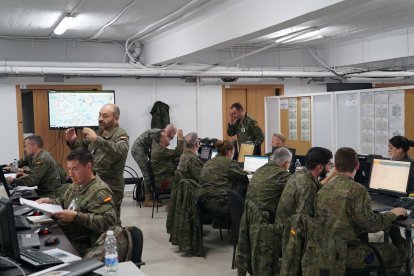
161,257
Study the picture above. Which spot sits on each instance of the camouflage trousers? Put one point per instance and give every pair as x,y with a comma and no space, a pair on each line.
117,197
143,163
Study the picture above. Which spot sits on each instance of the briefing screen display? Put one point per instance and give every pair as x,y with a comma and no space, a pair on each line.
252,163
390,175
77,108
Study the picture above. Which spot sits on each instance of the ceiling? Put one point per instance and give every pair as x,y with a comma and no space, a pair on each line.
153,27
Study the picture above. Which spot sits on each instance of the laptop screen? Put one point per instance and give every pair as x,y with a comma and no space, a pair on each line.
205,153
3,189
389,176
253,162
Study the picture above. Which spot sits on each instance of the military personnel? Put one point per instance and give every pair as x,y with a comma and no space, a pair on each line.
109,146
164,160
343,207
219,175
87,203
278,140
141,150
245,127
41,169
268,182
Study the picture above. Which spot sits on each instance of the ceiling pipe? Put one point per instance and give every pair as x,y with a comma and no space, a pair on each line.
128,70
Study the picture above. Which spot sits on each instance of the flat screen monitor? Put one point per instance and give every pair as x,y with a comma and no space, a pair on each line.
390,177
253,162
8,236
205,153
76,109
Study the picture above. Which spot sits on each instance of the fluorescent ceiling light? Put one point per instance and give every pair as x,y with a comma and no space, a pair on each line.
63,25
302,35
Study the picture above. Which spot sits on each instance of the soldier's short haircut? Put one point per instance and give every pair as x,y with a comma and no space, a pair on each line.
82,155
35,139
223,146
281,155
346,159
190,140
317,156
115,109
401,142
158,136
280,136
237,106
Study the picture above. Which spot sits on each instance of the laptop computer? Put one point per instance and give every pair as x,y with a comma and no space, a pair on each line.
389,180
12,193
28,240
253,162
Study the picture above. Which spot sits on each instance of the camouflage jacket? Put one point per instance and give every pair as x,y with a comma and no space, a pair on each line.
344,207
93,201
221,174
297,196
164,162
43,173
266,186
246,130
144,142
110,153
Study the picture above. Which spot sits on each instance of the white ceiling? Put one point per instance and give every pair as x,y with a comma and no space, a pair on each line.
200,31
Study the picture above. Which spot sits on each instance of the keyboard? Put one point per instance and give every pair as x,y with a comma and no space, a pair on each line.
384,199
38,258
21,223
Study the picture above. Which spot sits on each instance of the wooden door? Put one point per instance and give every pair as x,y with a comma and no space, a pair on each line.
231,96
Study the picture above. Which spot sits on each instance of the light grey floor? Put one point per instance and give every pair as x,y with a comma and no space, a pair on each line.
161,257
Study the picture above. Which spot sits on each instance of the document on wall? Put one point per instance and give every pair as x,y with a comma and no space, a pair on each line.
367,123
305,119
293,119
381,123
396,113
283,104
45,207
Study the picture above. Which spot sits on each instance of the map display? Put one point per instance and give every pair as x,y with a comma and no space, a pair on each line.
77,108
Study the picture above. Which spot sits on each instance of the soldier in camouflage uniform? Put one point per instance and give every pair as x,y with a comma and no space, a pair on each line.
88,208
41,171
109,146
343,207
141,151
245,127
219,175
268,182
164,160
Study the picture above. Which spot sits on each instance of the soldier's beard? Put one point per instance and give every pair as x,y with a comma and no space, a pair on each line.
324,173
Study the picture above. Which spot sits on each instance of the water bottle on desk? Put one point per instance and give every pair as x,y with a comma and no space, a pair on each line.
298,165
111,255
15,166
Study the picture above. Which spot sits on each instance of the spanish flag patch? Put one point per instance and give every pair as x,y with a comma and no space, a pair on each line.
292,231
107,199
123,138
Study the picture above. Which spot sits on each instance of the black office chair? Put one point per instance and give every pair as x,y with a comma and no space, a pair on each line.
137,245
367,270
236,207
157,194
138,191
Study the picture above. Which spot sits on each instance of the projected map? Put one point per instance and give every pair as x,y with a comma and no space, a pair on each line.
76,108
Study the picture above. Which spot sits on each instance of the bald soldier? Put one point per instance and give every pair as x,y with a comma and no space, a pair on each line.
141,151
109,146
88,211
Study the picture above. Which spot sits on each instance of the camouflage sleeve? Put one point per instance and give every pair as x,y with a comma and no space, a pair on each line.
256,132
37,172
195,169
24,162
100,215
78,143
231,129
117,149
282,180
305,199
237,175
364,218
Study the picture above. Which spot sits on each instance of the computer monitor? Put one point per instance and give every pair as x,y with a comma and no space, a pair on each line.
213,153
362,176
253,162
390,177
8,236
205,153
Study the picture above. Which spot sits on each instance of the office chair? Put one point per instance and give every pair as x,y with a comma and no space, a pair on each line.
137,245
138,191
366,270
157,194
236,206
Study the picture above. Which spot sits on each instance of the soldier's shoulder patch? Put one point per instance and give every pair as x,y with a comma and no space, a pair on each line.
39,162
292,231
124,138
107,199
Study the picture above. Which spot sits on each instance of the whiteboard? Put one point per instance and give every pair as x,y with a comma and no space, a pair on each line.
322,121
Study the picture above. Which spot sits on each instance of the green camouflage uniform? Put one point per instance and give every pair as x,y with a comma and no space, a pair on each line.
189,167
110,152
266,186
164,163
141,150
343,207
219,175
43,173
246,130
96,213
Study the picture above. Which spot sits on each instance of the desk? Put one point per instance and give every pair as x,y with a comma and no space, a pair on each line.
124,269
408,225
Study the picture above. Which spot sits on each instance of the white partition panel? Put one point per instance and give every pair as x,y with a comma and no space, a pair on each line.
272,120
347,120
322,121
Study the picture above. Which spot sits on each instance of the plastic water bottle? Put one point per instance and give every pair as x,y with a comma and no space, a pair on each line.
298,165
15,165
111,255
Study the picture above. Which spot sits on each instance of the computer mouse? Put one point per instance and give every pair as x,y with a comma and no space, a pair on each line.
44,231
52,241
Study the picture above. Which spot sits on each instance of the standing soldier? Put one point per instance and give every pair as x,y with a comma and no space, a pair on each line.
245,127
141,151
109,146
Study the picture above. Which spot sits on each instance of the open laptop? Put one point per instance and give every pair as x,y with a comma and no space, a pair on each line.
253,162
12,193
389,180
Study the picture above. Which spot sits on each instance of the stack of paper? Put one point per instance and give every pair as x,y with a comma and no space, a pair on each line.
45,207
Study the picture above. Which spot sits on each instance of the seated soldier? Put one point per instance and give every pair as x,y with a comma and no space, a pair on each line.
278,140
268,182
219,175
87,203
164,160
343,207
39,168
